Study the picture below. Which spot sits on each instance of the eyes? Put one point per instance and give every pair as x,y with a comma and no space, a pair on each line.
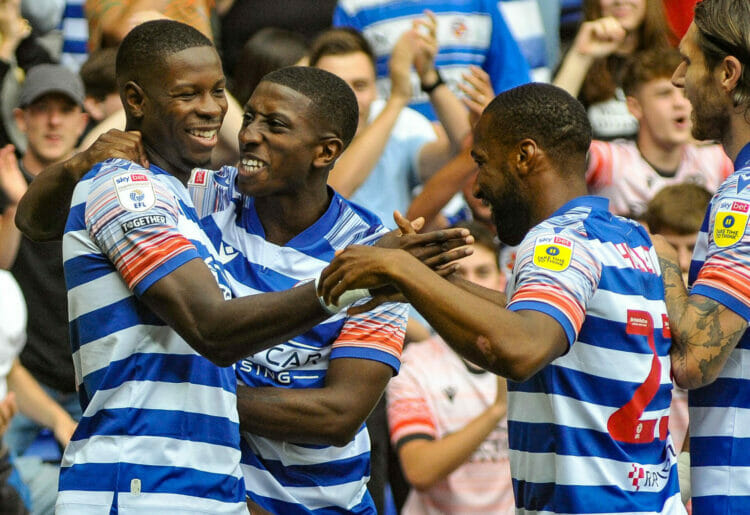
274,123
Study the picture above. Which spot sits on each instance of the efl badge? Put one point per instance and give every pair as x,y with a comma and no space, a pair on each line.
553,253
730,222
134,191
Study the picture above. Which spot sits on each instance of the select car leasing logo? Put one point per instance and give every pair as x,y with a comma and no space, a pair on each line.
730,222
553,253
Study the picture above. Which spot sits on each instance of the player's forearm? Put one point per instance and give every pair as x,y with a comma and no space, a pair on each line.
480,330
359,159
704,332
426,462
43,210
304,416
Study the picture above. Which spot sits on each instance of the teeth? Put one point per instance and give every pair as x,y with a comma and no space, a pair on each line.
251,164
203,133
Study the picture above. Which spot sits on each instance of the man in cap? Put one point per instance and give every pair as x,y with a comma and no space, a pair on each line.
50,114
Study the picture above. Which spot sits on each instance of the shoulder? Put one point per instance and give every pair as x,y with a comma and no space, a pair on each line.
354,224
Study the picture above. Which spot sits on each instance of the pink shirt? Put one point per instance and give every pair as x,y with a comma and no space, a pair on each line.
433,396
618,171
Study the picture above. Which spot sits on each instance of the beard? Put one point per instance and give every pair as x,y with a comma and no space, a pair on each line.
511,212
710,118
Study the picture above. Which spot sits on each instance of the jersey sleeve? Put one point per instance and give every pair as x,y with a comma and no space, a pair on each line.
377,335
409,413
723,276
132,218
212,190
556,274
599,170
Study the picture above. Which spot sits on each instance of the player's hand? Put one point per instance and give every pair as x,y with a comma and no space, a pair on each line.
12,182
435,249
359,267
7,410
599,38
478,90
115,144
400,64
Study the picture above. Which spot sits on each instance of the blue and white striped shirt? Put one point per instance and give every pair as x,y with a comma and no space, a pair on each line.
720,412
588,433
160,431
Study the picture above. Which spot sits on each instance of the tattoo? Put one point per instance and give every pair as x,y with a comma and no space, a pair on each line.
701,335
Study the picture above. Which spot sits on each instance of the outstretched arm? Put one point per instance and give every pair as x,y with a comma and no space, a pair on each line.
512,344
43,210
704,332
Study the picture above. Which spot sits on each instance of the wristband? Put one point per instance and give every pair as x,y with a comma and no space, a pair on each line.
683,474
430,88
345,299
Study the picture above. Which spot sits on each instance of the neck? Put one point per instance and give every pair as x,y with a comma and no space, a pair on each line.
737,137
33,164
284,216
558,191
155,158
665,157
629,44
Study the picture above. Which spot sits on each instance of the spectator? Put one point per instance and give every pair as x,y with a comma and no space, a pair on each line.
395,147
50,114
447,417
100,84
593,68
475,24
629,173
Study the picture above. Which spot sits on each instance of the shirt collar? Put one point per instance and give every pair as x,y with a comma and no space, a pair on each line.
743,158
591,201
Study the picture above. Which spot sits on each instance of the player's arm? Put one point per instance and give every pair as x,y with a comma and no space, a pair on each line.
43,210
512,344
330,415
704,331
426,460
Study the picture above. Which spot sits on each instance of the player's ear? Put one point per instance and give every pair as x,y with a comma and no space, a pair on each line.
329,149
133,98
527,156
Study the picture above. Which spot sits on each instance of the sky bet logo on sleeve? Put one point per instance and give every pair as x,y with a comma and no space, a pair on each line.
730,222
134,191
553,253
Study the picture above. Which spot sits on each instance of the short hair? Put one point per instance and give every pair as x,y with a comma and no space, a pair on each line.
544,113
98,73
148,45
267,50
648,65
339,41
723,30
678,207
332,101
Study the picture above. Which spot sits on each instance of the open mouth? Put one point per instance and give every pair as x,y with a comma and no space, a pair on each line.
681,121
250,166
206,137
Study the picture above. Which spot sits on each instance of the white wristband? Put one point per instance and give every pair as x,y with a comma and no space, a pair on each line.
345,299
683,472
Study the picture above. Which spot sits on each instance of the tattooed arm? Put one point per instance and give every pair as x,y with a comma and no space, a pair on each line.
704,332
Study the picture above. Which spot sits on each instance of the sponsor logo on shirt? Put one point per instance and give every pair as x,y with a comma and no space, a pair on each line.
198,177
553,253
730,222
134,191
143,221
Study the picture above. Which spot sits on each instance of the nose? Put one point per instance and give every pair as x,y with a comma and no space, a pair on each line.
678,77
249,134
212,106
54,116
